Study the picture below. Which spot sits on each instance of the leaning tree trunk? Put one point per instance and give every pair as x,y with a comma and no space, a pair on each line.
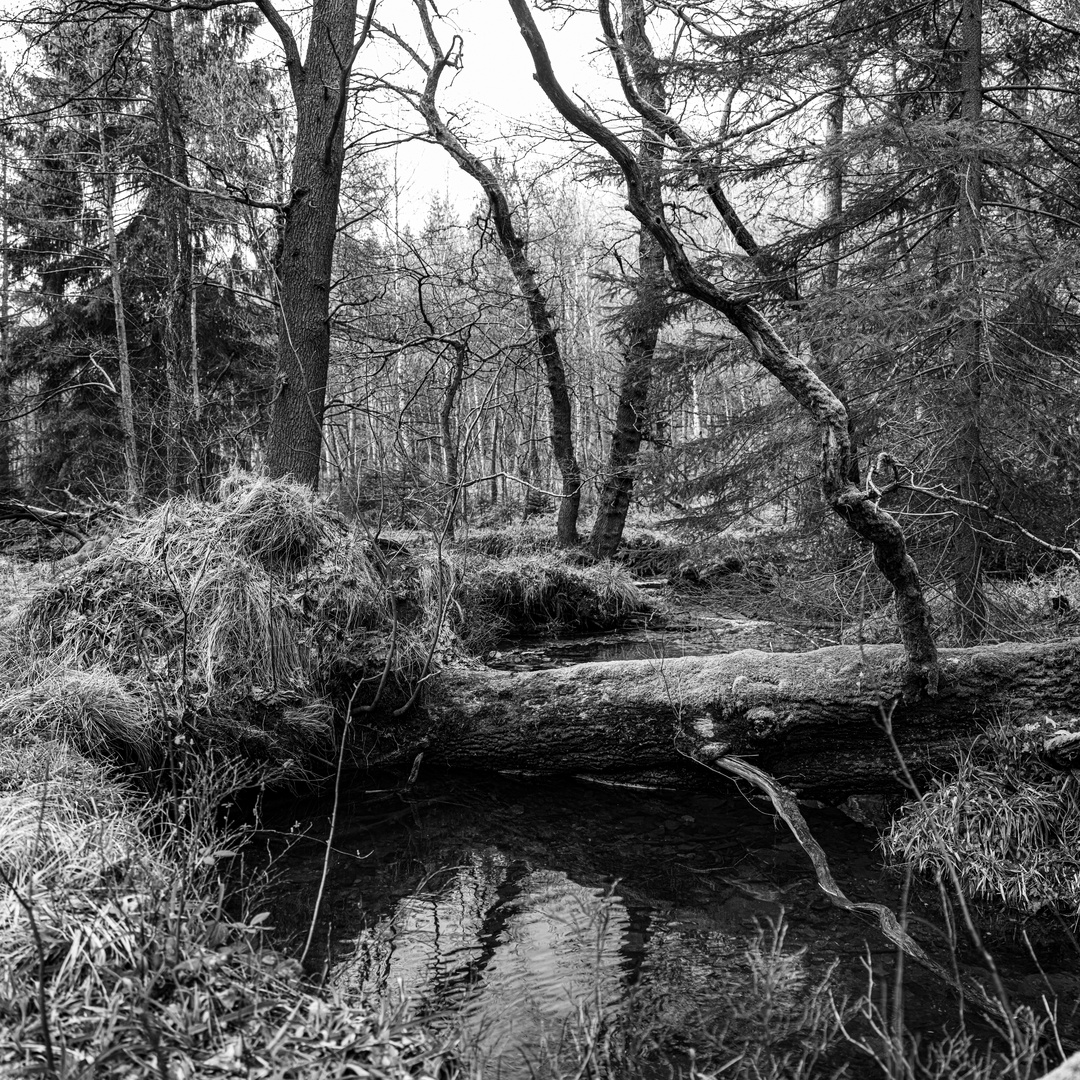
646,316
303,266
858,508
815,720
514,250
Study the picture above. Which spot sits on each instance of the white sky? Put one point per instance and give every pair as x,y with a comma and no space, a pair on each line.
491,96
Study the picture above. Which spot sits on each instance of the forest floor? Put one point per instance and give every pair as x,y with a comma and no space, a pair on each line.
201,652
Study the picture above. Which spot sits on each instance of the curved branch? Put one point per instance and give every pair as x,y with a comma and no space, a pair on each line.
783,284
293,63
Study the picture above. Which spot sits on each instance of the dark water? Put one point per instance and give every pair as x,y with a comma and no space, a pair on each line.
721,636
528,909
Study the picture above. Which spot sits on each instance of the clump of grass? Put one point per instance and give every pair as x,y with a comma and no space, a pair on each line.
526,594
126,947
234,617
92,709
1007,824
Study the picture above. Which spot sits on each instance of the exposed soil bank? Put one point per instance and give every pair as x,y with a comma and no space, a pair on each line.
814,719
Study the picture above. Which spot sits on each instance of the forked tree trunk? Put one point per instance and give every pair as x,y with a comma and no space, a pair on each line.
859,509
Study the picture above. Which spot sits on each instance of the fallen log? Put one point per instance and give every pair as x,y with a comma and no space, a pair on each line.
813,720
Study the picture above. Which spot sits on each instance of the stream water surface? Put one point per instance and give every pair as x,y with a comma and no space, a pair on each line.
522,909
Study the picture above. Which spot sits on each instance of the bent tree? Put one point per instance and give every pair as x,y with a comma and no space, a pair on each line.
858,507
515,250
303,264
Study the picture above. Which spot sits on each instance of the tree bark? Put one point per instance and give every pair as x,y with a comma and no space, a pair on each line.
132,474
813,720
647,314
967,542
304,262
176,221
449,437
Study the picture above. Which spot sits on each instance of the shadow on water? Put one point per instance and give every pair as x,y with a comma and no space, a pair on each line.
503,907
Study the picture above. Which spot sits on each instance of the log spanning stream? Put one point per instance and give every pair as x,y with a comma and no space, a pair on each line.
514,911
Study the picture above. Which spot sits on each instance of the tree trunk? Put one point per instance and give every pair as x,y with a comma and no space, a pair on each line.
859,509
449,437
829,352
132,475
814,719
967,539
308,230
176,219
7,478
647,315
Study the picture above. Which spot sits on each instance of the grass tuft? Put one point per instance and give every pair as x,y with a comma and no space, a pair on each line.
1009,825
526,594
233,618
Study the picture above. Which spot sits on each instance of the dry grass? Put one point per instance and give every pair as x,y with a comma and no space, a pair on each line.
127,949
1008,825
529,593
231,617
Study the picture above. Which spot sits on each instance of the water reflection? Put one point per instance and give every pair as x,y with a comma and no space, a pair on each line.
512,903
512,949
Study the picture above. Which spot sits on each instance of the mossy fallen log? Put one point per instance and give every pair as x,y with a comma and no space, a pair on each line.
814,720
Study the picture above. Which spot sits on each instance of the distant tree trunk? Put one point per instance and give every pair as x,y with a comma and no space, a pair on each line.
304,262
513,246
176,214
132,475
7,479
449,437
647,314
829,353
967,540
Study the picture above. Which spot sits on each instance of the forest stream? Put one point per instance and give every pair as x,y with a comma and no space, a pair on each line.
503,906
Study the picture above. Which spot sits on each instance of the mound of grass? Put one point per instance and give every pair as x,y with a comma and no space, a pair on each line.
1007,824
542,592
230,618
126,948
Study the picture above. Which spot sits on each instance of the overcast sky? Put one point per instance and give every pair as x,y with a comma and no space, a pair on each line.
494,93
